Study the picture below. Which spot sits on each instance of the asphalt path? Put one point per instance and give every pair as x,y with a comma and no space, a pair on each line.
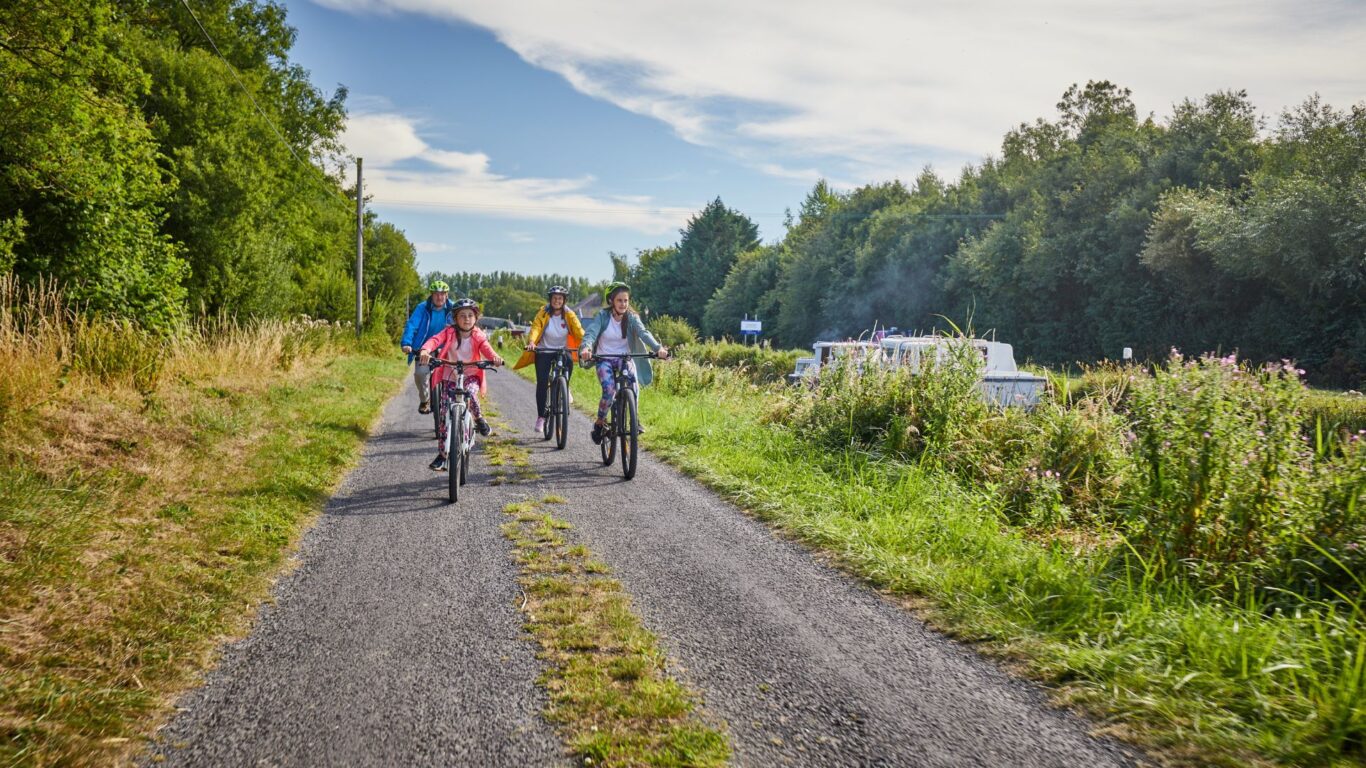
397,641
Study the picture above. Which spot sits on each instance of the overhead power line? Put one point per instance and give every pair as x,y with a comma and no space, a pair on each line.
242,85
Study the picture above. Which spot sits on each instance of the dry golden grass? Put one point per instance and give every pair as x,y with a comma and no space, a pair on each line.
149,488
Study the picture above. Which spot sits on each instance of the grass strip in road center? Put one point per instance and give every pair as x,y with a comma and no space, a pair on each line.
609,691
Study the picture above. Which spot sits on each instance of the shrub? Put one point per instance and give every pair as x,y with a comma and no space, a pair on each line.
673,331
760,363
863,403
1222,472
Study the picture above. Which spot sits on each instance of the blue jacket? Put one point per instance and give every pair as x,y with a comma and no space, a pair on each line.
637,337
425,322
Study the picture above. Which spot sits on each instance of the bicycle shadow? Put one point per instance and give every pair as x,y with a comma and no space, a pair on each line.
391,499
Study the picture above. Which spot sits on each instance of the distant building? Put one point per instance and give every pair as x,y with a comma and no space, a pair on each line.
589,306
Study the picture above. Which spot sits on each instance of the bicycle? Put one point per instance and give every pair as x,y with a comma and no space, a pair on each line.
623,420
460,430
557,401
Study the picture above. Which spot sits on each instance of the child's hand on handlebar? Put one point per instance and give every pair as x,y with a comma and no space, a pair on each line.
662,353
424,357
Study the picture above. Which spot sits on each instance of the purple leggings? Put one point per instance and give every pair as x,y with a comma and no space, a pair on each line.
607,369
471,400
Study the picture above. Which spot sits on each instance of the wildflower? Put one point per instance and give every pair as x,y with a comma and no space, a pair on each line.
1207,435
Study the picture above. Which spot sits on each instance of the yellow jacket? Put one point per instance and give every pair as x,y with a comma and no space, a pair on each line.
538,324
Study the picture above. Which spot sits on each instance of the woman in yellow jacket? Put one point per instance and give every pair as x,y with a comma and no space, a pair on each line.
554,328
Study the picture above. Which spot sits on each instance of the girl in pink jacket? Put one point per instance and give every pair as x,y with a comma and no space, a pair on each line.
466,343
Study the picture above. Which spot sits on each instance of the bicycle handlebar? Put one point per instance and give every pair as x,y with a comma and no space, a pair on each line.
487,365
653,355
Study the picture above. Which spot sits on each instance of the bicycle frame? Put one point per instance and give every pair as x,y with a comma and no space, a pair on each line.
459,425
623,422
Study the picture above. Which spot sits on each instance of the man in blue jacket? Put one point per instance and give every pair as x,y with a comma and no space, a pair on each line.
428,319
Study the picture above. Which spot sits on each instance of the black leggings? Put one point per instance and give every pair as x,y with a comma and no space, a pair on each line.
543,365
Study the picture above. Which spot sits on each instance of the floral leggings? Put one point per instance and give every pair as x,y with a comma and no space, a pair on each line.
471,400
607,369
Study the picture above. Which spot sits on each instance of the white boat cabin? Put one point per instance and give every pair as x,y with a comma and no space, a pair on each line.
1002,382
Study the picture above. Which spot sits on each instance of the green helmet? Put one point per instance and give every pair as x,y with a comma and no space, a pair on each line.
614,288
439,286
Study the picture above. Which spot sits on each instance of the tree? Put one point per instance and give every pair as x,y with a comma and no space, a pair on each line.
682,284
748,291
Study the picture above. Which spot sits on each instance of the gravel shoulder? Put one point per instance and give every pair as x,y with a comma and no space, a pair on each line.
805,664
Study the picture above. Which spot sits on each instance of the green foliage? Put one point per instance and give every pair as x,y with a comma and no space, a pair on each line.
511,303
137,172
861,402
1216,681
470,283
673,331
1092,232
748,292
759,363
1225,482
680,281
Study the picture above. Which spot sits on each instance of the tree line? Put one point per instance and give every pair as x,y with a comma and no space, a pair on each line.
1093,231
163,159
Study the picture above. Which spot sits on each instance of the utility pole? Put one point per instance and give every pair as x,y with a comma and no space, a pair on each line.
360,246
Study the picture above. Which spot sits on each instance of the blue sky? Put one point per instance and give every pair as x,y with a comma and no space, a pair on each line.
538,135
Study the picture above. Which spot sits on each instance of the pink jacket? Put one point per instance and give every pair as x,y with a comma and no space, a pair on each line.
479,342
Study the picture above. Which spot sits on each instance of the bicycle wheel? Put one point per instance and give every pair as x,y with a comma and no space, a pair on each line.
608,446
455,449
434,400
468,445
630,429
559,412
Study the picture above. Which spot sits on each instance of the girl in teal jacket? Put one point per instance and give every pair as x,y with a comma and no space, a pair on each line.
617,330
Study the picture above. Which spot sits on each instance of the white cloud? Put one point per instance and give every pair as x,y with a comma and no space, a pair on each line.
402,169
429,248
521,238
877,85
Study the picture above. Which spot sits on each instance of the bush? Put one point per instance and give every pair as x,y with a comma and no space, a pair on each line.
1225,484
673,331
760,363
863,403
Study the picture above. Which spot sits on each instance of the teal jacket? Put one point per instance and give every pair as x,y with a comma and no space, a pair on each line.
637,336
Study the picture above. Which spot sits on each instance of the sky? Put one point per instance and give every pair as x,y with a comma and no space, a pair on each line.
537,136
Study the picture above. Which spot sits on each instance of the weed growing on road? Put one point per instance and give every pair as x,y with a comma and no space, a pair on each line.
609,690
512,462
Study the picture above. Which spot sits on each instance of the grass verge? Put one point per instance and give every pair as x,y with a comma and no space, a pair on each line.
140,527
609,691
1196,678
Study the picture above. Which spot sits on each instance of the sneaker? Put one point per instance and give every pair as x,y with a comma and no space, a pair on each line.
482,427
438,464
597,434
540,423
424,408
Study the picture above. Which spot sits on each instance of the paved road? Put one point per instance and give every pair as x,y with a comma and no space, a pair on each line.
397,640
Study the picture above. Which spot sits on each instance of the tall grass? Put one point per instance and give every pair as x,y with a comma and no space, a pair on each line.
760,363
1184,660
149,485
48,345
